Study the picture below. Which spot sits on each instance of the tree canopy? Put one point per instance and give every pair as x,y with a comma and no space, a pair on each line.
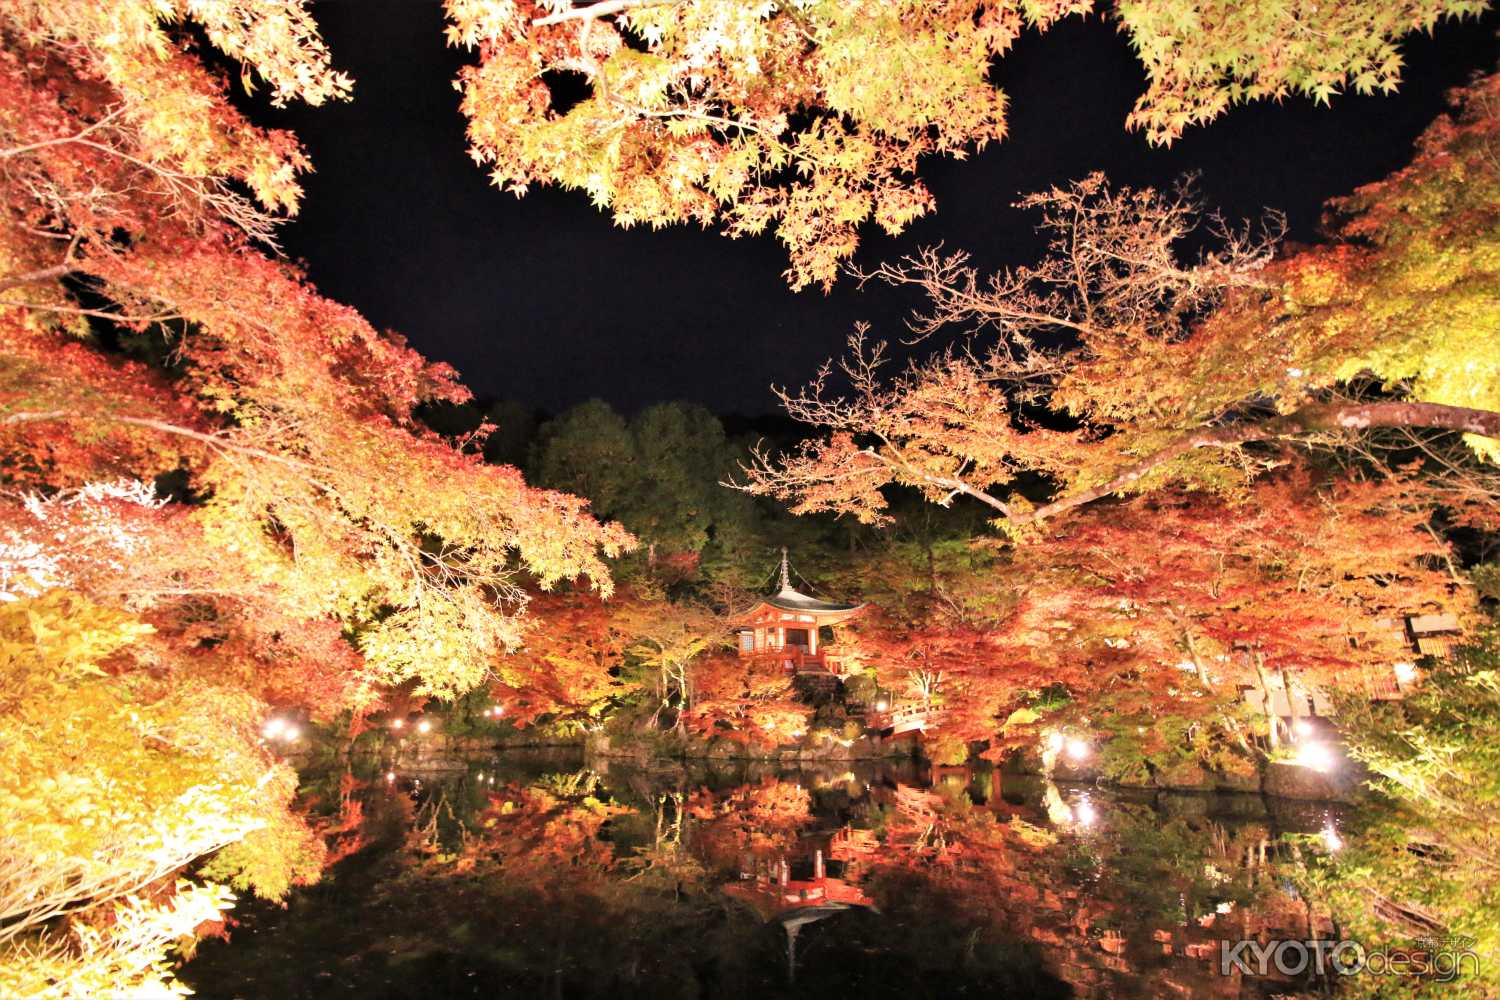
810,116
321,546
1115,365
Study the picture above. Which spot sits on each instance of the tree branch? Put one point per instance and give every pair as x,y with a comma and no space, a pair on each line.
162,427
1307,420
30,277
604,8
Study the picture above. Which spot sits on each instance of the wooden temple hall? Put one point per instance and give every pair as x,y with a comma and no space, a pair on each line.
794,628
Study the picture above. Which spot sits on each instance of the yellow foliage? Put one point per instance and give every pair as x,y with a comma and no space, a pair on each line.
112,779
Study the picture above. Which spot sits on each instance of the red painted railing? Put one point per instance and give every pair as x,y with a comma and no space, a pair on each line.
798,659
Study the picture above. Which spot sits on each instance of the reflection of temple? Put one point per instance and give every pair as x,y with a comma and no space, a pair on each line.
768,886
775,887
785,627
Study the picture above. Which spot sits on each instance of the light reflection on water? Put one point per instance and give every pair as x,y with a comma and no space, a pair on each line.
538,875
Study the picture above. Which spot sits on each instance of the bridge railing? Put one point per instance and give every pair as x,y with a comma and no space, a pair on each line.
913,715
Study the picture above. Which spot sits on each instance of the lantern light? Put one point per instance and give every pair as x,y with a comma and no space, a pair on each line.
390,776
1084,813
274,728
1317,756
1305,727
1331,838
881,705
1078,749
424,726
397,723
291,733
1406,672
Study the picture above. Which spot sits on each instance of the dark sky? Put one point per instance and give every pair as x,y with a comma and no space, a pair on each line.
542,299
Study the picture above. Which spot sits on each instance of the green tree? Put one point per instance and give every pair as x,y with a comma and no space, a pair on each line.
1428,855
588,451
659,474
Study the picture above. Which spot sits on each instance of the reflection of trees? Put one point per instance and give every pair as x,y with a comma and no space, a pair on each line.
650,883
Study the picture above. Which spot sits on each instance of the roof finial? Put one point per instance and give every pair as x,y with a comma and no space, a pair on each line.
786,576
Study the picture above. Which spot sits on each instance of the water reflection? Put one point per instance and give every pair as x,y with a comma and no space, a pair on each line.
540,876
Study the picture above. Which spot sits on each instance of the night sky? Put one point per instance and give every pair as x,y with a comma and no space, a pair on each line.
543,299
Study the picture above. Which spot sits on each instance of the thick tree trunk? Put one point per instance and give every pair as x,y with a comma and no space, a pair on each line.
1197,661
1272,722
1291,703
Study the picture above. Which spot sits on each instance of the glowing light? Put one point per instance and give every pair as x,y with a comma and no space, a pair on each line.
1317,756
881,706
1078,749
1294,372
1186,666
1224,907
390,776
424,726
1406,672
1331,838
291,733
273,728
397,723
1305,727
1055,741
1084,814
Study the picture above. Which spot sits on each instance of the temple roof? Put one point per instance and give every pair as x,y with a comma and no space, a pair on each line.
788,599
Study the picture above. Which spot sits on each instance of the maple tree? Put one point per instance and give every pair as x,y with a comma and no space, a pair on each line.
321,545
811,115
1116,366
1137,625
751,702
1193,598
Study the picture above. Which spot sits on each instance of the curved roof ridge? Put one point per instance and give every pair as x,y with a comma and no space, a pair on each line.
790,599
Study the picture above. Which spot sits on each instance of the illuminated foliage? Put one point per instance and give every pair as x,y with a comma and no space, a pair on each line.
1117,367
810,116
115,776
1202,58
1427,852
320,547
748,701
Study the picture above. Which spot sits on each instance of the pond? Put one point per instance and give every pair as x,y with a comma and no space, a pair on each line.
543,875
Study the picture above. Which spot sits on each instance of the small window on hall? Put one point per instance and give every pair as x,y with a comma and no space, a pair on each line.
747,642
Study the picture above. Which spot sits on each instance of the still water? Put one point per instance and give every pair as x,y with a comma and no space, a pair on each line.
537,875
